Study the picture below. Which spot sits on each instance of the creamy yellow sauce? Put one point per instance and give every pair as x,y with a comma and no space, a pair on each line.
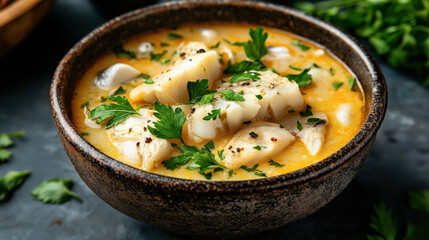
320,95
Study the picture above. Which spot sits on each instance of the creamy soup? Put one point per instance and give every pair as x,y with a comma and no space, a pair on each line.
233,102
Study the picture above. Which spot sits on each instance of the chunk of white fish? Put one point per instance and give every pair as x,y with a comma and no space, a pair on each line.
115,75
279,57
278,96
343,114
312,134
133,139
209,36
255,143
193,62
143,50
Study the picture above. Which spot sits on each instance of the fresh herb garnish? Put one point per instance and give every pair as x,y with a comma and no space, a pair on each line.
54,191
215,46
232,96
149,81
213,115
332,71
173,36
281,126
119,91
337,85
311,121
352,82
220,154
245,76
299,126
259,147
11,181
165,61
419,201
116,113
300,45
316,66
303,79
85,105
291,111
230,172
295,68
157,56
170,122
256,49
307,112
174,54
244,66
384,222
120,52
234,43
206,99
143,75
163,44
197,90
221,58
276,164
259,97
254,170
6,141
84,134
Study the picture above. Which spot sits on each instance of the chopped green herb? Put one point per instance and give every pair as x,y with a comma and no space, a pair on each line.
116,113
316,66
11,181
215,46
307,112
143,75
230,172
337,85
174,54
119,91
173,36
303,79
120,52
291,111
220,58
256,48
165,61
235,43
220,154
352,82
149,81
84,134
232,96
300,45
259,147
157,56
163,44
332,71
209,145
6,141
244,66
213,115
258,85
206,99
170,122
254,170
85,105
299,126
197,90
295,68
4,155
259,97
281,126
245,76
103,99
276,164
54,191
311,121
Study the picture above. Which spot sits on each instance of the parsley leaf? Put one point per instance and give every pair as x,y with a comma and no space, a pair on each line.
256,48
144,76
149,81
157,56
54,191
213,115
352,82
4,155
295,68
163,44
197,90
311,121
259,97
419,200
244,66
384,222
206,99
120,52
332,71
116,113
234,43
232,96
276,164
303,79
215,46
220,154
11,181
173,36
170,124
337,85
6,141
245,76
119,91
165,61
307,112
254,170
300,45
259,147
299,126
85,105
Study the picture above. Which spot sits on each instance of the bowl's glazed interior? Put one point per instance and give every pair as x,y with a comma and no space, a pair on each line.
219,208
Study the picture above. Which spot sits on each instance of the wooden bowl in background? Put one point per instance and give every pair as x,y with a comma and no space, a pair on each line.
18,19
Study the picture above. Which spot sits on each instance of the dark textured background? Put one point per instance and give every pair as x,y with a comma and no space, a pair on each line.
399,160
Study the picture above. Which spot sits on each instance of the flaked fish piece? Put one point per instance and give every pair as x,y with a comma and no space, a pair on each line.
115,75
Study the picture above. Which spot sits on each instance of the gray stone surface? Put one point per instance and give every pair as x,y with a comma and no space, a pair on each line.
398,162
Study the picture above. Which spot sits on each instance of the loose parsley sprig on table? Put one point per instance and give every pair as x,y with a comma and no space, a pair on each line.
397,29
54,191
11,181
5,142
116,113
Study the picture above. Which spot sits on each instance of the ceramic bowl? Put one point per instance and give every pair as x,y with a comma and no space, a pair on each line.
18,19
215,209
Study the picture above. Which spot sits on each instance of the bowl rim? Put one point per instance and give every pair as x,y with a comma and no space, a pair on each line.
342,156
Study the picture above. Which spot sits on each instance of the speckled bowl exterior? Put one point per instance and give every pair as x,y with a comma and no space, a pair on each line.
214,209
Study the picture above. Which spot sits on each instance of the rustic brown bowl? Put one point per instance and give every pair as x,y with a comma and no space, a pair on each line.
18,19
213,209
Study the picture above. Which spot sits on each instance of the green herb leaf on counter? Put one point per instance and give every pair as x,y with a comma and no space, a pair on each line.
213,115
173,36
352,82
307,112
4,155
119,91
230,95
120,52
170,122
300,45
215,46
157,56
197,90
54,191
244,66
419,200
255,170
384,222
256,49
116,113
276,164
245,76
337,85
303,79
234,43
11,181
6,141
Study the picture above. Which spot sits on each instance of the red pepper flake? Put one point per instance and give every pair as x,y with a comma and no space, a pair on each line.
274,139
